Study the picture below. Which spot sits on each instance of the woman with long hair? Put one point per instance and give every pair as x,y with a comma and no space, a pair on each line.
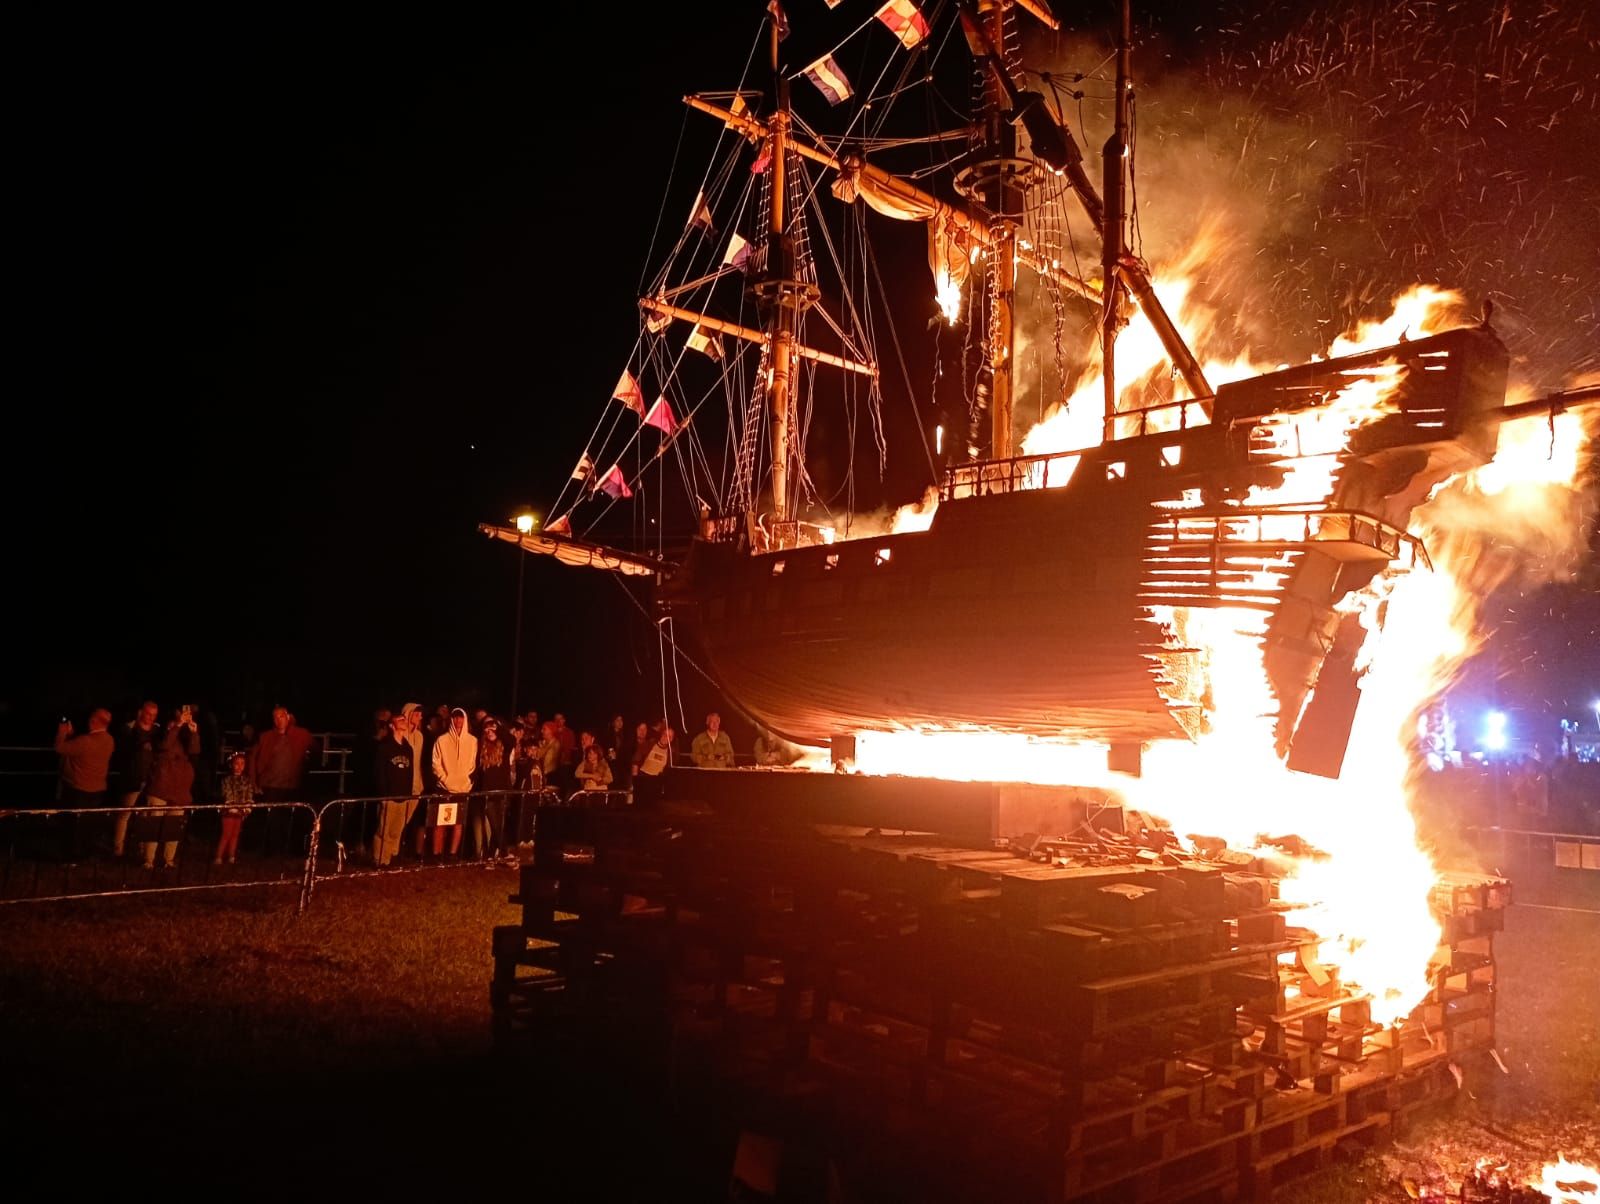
487,811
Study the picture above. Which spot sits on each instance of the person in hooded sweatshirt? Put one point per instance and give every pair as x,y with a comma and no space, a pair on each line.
455,756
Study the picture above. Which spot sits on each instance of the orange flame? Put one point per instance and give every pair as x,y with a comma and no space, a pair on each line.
1364,890
1569,1182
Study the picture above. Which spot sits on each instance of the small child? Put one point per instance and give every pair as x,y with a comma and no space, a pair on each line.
237,794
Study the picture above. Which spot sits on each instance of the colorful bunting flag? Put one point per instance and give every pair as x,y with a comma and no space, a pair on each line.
835,3
629,393
976,42
829,79
585,468
905,21
655,321
779,21
562,526
763,158
613,483
738,104
660,416
707,344
737,254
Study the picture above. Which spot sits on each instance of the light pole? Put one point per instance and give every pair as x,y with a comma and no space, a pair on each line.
525,524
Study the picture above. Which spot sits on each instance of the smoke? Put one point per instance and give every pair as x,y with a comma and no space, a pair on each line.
1329,158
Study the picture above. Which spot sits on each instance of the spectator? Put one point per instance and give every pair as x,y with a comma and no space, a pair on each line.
85,769
615,734
487,813
138,746
593,773
772,749
550,754
642,740
619,753
648,782
172,787
395,772
278,760
455,755
237,795
412,714
711,748
569,741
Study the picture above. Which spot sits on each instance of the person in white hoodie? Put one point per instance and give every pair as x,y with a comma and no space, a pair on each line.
455,755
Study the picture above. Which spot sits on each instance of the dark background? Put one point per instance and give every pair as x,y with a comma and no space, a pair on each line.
303,298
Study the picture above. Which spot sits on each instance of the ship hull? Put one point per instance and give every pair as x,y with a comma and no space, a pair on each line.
1020,612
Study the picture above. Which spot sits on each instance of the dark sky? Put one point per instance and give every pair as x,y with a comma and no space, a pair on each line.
303,298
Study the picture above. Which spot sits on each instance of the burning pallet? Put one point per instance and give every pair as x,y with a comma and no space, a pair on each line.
1147,1028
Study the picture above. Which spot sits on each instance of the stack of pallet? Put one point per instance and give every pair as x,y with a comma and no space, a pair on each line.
1151,1027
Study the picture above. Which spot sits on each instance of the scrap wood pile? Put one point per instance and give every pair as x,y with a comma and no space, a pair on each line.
1105,1017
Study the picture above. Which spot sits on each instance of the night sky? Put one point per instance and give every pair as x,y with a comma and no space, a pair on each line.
303,299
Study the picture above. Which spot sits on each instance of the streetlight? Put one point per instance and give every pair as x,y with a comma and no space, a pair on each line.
526,520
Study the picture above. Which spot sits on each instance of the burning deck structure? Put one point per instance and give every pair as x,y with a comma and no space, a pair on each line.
1104,1016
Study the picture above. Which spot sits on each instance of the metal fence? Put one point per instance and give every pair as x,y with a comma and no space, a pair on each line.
1558,869
54,853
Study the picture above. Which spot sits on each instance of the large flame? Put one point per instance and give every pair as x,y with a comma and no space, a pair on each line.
1364,884
1567,1182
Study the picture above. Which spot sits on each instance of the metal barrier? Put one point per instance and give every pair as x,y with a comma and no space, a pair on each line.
1549,868
52,853
55,853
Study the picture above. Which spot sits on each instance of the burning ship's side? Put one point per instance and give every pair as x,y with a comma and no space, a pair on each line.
1033,601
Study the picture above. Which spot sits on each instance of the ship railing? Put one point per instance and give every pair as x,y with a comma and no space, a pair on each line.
1163,417
987,477
1290,527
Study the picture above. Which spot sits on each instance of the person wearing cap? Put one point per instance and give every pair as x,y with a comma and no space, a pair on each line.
455,756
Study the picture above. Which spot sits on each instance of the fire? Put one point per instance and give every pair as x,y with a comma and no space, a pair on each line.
1363,883
916,516
947,291
1569,1182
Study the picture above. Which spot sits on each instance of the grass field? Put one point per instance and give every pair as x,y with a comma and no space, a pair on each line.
219,1041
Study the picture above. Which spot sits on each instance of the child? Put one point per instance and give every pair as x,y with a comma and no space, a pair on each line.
237,794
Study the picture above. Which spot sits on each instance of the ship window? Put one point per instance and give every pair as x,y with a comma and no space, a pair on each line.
881,556
832,562
777,568
1116,470
1172,455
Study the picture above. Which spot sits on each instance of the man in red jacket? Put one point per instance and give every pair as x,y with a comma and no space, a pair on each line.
278,760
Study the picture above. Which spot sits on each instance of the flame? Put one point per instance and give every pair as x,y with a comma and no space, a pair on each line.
1564,1181
947,291
916,516
1363,886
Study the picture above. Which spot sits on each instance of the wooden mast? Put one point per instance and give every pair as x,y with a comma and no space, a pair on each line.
780,261
1113,230
1004,201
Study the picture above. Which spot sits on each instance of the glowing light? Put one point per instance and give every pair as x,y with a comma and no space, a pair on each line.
938,439
526,522
1494,731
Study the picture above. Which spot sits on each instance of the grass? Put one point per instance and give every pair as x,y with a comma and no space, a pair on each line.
220,1040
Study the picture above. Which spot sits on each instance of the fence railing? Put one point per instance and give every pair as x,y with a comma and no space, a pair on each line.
1550,868
49,854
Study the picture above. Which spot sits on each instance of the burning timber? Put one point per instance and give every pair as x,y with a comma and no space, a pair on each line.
1101,1016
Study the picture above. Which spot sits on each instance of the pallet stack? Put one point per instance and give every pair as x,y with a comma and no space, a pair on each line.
1151,1027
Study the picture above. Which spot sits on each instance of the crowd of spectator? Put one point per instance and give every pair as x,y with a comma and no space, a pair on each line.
441,782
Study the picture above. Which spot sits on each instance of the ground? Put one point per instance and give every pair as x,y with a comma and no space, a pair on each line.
219,1039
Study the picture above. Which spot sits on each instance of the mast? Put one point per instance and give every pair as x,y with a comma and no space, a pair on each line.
1113,233
783,286
1004,200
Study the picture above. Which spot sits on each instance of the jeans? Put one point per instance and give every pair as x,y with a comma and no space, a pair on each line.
169,848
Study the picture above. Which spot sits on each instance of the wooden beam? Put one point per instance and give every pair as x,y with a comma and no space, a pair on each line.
751,335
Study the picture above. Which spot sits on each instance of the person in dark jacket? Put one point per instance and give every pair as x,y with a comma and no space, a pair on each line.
172,787
487,813
393,772
137,746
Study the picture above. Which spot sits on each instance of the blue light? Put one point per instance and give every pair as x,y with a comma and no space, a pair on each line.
1494,732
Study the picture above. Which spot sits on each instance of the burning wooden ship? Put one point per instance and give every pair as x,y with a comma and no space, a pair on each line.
1046,594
